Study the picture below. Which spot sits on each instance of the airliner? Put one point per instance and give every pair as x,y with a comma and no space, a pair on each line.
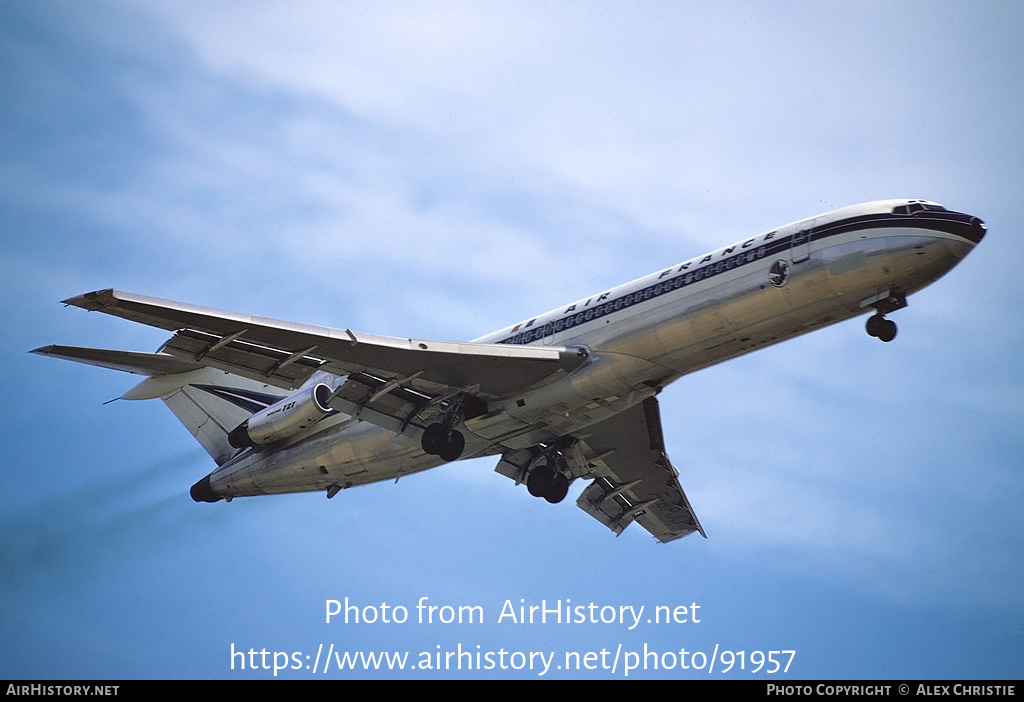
567,395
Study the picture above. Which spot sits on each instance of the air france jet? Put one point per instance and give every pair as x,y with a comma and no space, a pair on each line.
563,396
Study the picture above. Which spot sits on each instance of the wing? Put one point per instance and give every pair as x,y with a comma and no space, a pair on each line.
286,354
634,478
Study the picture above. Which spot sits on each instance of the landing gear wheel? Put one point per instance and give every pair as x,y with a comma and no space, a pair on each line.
881,328
540,480
434,439
438,440
453,447
888,331
545,482
558,489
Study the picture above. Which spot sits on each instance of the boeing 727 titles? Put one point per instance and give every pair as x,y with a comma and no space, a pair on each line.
563,396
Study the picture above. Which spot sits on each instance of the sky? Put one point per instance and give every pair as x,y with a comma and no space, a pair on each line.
442,170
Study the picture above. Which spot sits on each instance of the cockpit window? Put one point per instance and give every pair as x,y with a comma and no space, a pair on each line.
917,206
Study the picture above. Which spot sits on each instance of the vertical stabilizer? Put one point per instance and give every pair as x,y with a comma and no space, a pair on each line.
210,403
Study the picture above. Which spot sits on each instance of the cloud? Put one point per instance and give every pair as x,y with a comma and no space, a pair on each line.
445,170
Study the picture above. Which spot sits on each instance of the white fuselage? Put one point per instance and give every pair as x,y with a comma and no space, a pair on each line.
642,335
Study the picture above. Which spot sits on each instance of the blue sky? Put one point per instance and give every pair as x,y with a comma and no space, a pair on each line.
441,170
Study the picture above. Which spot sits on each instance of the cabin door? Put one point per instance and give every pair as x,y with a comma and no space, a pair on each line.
800,245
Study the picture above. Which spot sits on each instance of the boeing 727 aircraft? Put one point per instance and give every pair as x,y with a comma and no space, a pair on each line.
566,395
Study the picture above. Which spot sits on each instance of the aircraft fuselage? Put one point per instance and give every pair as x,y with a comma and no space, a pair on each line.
640,336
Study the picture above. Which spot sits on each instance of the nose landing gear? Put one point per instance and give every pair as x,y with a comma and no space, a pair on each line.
880,327
884,303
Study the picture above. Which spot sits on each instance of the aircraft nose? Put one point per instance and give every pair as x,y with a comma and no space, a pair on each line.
978,229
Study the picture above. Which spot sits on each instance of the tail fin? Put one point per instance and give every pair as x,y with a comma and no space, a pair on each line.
210,403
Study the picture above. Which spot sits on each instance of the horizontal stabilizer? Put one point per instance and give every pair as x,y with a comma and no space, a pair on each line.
209,402
127,361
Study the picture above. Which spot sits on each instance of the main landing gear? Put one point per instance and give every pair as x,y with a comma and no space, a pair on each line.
443,441
442,438
547,482
880,327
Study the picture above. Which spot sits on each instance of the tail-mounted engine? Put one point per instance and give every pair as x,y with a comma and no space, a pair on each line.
283,419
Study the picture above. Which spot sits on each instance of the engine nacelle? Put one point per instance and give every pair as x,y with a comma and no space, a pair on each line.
283,419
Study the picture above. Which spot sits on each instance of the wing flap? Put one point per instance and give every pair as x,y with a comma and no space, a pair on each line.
497,369
265,364
373,400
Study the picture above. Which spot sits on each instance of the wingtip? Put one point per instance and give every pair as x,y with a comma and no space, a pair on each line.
97,299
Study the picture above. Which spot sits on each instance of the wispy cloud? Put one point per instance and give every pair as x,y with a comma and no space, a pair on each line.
448,169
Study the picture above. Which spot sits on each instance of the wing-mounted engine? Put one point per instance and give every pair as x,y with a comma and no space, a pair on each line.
283,419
